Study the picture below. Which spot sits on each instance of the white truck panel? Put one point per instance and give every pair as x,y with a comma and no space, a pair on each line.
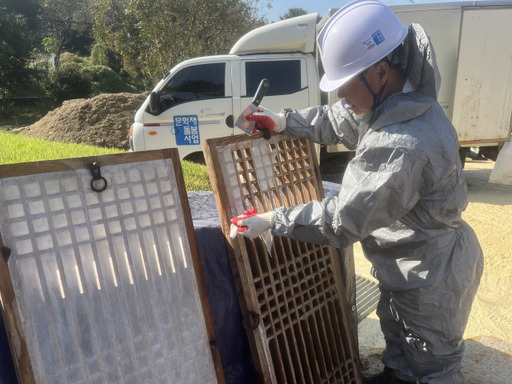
483,94
163,133
291,35
443,26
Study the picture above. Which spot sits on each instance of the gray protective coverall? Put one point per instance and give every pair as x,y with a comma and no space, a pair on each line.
402,196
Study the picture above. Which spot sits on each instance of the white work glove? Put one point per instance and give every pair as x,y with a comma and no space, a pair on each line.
266,119
252,224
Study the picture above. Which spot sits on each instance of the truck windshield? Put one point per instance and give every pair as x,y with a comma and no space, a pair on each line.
197,82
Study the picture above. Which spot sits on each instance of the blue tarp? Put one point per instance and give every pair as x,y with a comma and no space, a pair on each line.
227,318
7,371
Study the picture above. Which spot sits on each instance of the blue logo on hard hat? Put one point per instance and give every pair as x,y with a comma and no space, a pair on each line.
375,39
378,37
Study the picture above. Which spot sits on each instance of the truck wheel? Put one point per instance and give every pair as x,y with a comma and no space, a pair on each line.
196,157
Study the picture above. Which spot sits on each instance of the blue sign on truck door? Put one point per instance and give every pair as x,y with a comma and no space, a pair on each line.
186,128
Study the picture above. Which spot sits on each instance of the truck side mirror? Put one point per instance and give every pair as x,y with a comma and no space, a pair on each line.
154,103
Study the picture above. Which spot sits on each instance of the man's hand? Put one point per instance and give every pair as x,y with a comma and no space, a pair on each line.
266,119
252,224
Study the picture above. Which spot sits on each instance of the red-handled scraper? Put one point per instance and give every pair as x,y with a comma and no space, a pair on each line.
246,125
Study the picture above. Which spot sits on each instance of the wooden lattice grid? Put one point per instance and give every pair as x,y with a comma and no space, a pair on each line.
104,287
293,300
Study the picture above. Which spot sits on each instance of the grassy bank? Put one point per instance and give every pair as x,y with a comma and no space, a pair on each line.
22,149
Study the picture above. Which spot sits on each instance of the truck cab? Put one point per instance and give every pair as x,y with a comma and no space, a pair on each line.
202,97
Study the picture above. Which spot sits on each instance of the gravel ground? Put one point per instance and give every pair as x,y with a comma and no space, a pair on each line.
488,358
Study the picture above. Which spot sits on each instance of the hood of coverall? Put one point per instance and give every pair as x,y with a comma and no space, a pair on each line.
418,61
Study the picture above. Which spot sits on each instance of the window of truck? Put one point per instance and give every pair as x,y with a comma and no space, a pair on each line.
198,82
284,76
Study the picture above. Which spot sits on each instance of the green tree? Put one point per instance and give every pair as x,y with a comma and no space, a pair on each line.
151,36
15,51
27,8
293,12
60,21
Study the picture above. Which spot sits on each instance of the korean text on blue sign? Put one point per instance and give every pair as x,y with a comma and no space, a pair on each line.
186,129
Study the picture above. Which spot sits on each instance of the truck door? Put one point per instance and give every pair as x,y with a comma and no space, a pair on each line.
194,104
482,107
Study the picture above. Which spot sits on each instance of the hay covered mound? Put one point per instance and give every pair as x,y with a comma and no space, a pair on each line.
103,120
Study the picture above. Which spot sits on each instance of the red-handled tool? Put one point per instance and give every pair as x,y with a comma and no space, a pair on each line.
246,125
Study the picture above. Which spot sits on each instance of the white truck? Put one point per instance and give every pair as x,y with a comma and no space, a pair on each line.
201,98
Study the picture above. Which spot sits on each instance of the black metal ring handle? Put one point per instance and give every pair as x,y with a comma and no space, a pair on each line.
96,177
102,187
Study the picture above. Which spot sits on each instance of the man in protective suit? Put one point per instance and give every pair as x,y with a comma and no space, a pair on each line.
402,194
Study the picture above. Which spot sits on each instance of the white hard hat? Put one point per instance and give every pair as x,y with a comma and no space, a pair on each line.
357,36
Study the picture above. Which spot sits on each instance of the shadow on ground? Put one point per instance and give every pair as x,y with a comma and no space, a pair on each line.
479,187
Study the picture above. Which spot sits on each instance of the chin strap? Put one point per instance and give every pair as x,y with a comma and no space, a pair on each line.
391,59
376,96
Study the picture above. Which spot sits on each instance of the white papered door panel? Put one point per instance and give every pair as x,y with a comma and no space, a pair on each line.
104,284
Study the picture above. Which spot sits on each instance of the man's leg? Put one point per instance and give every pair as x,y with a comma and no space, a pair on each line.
432,322
393,356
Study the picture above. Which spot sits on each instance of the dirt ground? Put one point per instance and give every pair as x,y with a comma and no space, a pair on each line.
102,121
488,358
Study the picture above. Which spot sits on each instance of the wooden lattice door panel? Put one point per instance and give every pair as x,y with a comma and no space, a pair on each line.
104,287
293,300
